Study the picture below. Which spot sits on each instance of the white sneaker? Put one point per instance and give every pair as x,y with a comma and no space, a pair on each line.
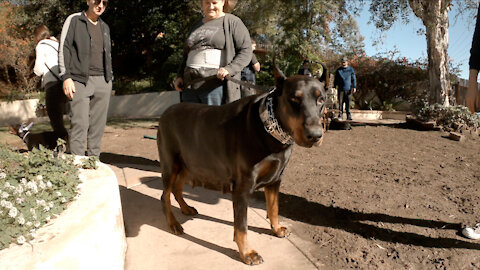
472,232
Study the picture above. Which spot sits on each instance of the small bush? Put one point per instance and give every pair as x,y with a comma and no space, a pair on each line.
451,118
34,188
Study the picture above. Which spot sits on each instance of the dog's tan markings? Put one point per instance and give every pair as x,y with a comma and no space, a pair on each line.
271,197
298,94
177,192
248,255
173,224
296,126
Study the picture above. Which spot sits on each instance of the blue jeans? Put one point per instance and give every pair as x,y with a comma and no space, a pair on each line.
209,97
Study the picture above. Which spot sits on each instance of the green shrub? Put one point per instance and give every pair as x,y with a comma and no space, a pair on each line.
35,187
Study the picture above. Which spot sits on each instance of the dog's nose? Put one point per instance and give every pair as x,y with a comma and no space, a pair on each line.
314,134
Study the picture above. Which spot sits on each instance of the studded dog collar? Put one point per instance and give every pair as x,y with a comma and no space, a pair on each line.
270,122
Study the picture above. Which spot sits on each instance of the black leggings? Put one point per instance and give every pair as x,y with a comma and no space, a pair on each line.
344,97
56,100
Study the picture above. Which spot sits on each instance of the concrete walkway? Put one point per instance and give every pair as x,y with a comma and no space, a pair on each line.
208,239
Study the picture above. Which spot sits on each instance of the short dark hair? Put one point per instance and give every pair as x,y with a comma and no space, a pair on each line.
41,33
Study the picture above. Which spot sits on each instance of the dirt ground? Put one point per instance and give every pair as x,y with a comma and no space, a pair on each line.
382,197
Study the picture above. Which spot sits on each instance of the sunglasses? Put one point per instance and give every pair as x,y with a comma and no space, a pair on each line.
97,2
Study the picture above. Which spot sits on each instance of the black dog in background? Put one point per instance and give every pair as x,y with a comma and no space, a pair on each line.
33,140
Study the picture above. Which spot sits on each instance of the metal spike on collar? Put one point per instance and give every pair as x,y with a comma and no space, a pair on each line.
271,124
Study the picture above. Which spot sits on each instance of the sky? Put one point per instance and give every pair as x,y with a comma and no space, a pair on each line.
404,37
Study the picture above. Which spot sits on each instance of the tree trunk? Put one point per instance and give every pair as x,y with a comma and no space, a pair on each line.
434,15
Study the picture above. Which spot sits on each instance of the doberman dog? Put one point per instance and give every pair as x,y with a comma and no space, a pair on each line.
239,147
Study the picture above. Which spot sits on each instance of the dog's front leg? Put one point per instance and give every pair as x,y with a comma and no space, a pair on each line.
271,197
240,227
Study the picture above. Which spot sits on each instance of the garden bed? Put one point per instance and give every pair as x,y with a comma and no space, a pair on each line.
89,234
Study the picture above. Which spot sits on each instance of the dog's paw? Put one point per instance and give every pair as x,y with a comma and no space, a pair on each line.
252,258
189,211
176,228
281,232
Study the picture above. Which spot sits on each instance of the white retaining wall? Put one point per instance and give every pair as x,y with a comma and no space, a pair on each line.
127,106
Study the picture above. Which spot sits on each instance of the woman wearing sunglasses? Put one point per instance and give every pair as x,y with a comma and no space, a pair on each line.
85,63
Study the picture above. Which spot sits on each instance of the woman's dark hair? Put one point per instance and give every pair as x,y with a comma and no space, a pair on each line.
41,33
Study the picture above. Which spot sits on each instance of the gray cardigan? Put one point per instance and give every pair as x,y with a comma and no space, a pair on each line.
236,55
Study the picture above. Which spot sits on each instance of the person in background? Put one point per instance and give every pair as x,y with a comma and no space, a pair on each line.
249,73
46,66
217,46
305,69
85,63
346,84
472,96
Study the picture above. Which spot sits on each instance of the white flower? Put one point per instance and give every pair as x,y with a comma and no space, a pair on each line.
42,185
49,184
36,224
32,186
3,175
1,212
63,200
7,185
21,219
28,193
20,200
21,240
47,218
23,181
5,195
29,224
6,204
19,190
39,177
58,193
50,204
41,203
13,212
32,211
46,209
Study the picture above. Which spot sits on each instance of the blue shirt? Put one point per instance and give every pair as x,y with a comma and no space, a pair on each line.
345,79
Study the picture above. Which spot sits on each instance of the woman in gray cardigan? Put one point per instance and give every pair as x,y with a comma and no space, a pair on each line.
218,45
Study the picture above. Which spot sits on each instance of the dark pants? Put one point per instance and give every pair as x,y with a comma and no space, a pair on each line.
56,101
210,97
247,76
344,97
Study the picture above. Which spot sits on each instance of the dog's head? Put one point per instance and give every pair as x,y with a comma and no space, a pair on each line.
20,129
301,106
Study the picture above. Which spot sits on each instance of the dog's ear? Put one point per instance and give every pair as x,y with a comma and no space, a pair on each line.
278,75
13,130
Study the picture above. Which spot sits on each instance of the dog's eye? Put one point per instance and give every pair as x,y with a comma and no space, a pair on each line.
295,100
320,101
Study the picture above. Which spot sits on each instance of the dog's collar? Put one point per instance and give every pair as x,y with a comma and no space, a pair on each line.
25,136
270,122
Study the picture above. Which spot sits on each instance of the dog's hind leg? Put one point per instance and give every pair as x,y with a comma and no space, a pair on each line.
178,192
168,183
271,197
240,227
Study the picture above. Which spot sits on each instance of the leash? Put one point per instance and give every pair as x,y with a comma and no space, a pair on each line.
261,88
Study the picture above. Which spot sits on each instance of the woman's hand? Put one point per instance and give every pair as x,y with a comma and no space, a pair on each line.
222,73
69,88
178,84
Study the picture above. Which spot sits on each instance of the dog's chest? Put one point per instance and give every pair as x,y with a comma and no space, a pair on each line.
270,169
